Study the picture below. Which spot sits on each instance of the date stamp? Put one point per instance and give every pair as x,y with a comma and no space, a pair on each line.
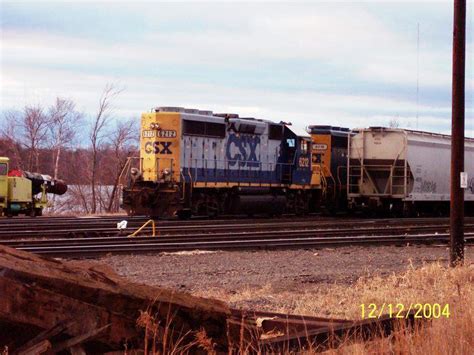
400,310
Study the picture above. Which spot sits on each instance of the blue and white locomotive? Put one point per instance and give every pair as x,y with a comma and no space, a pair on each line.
196,162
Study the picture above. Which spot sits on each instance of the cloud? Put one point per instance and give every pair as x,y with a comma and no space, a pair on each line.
345,64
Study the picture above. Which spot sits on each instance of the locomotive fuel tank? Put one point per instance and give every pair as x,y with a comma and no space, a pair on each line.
254,200
255,204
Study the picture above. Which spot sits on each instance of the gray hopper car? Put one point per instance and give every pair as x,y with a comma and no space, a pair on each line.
403,171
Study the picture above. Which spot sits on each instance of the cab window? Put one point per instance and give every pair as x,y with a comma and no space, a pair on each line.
290,142
3,169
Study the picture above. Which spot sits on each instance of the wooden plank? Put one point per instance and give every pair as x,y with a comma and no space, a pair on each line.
44,335
42,292
38,348
78,339
30,304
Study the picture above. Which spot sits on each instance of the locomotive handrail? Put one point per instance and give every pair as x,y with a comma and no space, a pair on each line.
126,169
243,166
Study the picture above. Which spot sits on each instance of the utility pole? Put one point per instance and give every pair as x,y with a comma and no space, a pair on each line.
456,255
417,71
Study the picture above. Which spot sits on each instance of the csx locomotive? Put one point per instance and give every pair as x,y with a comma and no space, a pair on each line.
199,163
196,162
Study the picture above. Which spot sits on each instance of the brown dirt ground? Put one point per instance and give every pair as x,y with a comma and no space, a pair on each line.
274,280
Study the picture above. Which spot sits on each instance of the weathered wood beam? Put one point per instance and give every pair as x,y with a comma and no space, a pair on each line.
43,292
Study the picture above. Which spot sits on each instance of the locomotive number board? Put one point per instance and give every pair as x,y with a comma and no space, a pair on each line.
165,133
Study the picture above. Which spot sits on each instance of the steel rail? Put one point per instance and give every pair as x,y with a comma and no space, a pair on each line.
255,242
233,235
8,222
96,230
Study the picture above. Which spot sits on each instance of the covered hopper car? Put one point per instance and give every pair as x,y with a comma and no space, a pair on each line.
404,172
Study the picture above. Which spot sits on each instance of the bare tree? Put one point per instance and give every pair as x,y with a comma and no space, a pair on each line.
34,127
64,119
97,133
122,142
9,133
394,123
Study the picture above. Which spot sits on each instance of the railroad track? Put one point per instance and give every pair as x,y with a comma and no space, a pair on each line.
77,228
259,239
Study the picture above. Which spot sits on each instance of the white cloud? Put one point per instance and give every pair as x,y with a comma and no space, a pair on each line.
37,66
141,94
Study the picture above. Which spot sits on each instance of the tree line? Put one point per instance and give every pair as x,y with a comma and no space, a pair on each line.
88,152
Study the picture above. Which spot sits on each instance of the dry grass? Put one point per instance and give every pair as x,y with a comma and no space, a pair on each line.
431,283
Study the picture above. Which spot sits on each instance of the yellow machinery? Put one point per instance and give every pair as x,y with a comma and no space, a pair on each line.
25,192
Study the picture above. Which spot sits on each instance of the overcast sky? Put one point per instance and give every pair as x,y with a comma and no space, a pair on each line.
351,64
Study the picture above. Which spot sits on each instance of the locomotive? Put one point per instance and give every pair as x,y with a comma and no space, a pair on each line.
23,192
196,162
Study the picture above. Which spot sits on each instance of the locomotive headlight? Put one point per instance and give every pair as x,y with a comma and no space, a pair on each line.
135,174
166,175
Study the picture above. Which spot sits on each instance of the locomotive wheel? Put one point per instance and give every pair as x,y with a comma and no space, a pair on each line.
213,206
300,205
199,206
206,205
